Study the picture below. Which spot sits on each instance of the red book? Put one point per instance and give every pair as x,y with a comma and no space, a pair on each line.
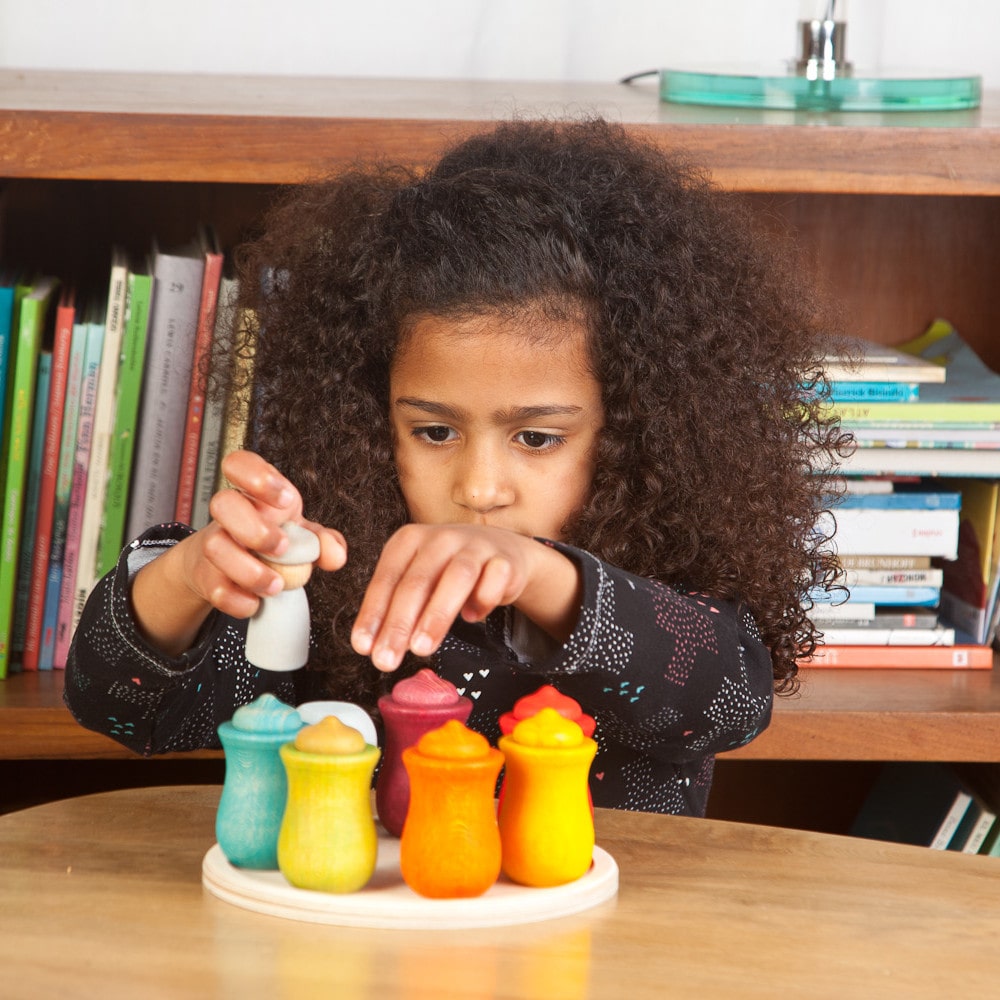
904,657
196,395
65,315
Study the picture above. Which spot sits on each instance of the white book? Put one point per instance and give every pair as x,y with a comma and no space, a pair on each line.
923,461
980,829
939,635
893,578
950,822
101,434
848,611
173,323
863,531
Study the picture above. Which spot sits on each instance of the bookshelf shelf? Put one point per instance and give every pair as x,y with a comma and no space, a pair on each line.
897,214
845,715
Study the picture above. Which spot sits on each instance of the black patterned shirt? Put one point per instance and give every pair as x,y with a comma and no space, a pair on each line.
671,677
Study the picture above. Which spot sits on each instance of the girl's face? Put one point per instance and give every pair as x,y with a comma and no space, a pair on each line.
495,422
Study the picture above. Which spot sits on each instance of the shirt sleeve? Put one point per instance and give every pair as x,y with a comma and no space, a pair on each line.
672,674
118,684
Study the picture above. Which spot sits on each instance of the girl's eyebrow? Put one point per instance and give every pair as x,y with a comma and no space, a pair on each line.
512,415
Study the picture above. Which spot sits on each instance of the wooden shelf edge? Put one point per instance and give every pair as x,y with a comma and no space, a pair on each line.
840,715
282,130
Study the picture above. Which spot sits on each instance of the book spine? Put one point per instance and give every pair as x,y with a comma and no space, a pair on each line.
210,447
942,838
64,484
25,366
61,349
964,657
894,532
882,562
910,501
112,536
194,422
166,382
925,597
100,442
884,392
29,521
939,636
6,346
980,831
78,493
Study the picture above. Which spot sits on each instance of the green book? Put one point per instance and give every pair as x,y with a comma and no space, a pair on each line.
29,519
30,325
139,293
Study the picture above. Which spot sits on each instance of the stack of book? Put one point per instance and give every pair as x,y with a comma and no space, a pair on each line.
106,428
918,413
938,414
888,538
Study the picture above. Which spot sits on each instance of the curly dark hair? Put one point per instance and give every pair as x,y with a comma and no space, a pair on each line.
716,453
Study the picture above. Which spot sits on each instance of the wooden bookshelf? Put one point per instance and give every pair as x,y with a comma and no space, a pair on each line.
838,715
898,214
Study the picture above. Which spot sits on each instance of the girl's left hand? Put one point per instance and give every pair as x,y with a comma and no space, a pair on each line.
428,575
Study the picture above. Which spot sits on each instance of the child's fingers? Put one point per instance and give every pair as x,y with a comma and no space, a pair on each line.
425,579
245,523
332,546
248,473
231,573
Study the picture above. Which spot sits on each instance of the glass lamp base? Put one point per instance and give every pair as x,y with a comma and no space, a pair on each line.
895,92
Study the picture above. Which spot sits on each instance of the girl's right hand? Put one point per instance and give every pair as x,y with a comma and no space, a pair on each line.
218,566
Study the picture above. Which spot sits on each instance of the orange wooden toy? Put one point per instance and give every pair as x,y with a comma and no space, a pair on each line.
450,844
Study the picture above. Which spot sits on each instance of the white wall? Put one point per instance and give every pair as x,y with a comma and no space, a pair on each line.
491,39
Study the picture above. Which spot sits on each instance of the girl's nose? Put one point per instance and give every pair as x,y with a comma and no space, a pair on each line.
482,482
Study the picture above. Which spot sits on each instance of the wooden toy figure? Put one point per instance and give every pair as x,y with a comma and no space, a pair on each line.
450,845
546,822
415,706
278,634
328,841
255,788
547,697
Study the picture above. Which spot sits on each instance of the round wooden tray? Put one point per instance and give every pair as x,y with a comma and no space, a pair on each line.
388,902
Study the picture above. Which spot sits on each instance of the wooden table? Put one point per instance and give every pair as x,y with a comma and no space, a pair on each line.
102,896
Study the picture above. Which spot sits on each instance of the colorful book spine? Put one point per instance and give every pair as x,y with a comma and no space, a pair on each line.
103,428
61,349
893,594
64,486
74,524
958,657
194,421
212,430
886,392
6,340
30,323
29,520
902,500
140,288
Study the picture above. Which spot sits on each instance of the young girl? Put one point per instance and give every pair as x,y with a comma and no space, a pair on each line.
544,407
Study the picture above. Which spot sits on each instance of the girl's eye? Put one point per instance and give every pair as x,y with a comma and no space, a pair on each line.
435,434
537,440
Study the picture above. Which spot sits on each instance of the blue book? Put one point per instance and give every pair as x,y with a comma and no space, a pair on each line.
885,392
6,326
922,597
900,500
